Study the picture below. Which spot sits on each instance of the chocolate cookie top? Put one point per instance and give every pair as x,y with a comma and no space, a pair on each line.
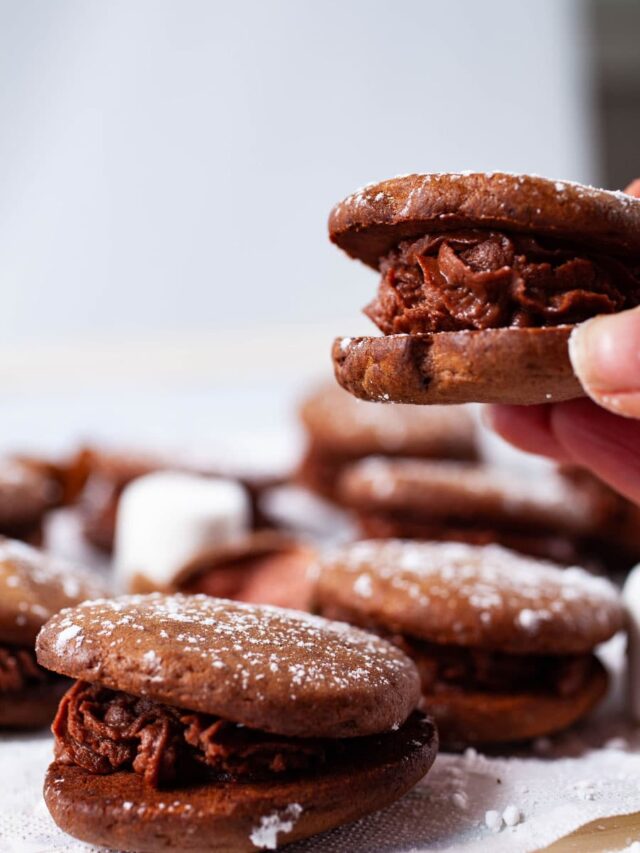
438,489
480,596
34,586
341,424
272,669
375,219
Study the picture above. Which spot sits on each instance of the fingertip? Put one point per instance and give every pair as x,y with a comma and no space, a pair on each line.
605,356
634,188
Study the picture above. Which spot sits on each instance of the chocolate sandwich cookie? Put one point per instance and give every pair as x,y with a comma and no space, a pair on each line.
204,724
550,515
341,429
483,278
32,588
503,643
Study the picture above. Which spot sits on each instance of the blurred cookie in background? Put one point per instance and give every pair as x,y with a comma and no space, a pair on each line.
26,494
340,429
181,532
33,587
503,643
66,473
547,515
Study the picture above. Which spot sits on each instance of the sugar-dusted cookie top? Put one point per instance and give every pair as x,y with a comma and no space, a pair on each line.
273,669
481,596
373,220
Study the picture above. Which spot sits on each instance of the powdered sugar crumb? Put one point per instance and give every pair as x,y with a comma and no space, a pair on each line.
530,619
512,815
65,636
362,586
265,835
493,820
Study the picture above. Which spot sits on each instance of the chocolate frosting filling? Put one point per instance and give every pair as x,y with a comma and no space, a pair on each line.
19,669
104,731
442,667
478,279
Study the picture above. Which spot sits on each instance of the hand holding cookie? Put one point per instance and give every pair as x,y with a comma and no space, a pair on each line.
600,434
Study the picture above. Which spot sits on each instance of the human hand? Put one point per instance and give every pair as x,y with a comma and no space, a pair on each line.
600,434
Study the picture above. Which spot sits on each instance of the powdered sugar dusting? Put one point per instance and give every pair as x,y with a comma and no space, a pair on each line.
256,650
530,619
581,190
67,634
362,586
488,583
265,835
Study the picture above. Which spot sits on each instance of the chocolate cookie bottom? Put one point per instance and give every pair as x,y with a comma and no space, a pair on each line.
123,812
509,365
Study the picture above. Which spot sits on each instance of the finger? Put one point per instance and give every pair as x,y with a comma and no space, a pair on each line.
634,188
527,428
605,355
607,445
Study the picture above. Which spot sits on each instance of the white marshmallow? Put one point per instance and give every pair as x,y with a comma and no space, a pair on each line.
165,519
631,598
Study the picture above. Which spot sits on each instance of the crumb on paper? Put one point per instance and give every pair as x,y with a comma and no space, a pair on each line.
512,815
493,820
460,800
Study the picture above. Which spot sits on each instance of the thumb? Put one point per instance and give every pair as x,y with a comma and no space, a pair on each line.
605,354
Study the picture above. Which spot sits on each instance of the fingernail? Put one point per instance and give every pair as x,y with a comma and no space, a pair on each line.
605,354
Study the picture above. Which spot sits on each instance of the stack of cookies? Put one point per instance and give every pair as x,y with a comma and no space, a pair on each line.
202,724
503,643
